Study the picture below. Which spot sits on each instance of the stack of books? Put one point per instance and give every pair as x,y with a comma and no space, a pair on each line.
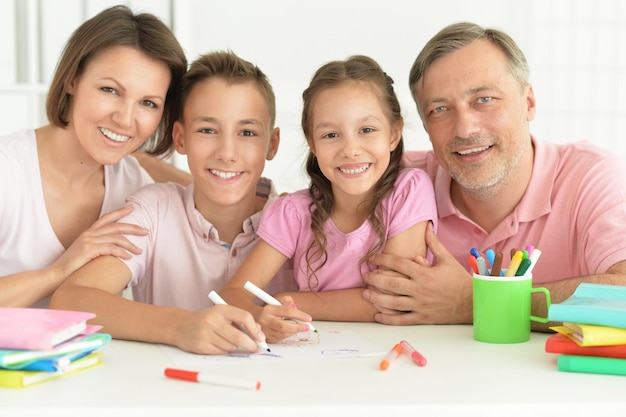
592,338
38,345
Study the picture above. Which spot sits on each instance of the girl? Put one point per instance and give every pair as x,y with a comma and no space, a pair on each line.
360,202
114,87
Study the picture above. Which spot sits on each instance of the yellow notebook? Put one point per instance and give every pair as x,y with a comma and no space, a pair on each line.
592,335
23,379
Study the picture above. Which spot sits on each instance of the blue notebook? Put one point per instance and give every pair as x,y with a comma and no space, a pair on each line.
600,304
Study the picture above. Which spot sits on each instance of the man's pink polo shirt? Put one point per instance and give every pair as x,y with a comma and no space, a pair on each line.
574,210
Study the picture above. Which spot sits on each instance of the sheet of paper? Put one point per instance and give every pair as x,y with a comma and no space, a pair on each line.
324,345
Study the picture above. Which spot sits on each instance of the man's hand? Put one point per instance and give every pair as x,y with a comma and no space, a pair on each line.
423,293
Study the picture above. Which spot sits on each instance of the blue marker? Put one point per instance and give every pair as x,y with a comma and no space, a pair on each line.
475,253
491,256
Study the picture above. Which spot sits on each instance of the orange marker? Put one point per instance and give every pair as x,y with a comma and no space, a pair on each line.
393,354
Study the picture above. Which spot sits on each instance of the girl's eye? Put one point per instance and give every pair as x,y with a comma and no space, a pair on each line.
330,135
149,103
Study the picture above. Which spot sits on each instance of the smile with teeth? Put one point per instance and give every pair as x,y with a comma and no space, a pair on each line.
113,136
354,171
223,174
473,150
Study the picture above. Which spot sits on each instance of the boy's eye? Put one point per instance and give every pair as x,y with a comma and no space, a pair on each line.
367,130
206,130
248,133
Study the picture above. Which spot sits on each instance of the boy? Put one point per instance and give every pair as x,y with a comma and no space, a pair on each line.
198,235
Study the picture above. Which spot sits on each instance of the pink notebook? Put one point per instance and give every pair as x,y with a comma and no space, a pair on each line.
39,328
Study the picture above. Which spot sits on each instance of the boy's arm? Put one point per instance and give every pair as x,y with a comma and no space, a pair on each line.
95,288
349,304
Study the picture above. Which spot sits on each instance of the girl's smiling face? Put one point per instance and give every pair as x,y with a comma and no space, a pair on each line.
352,137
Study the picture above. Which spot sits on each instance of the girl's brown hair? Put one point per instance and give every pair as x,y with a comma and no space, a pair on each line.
356,68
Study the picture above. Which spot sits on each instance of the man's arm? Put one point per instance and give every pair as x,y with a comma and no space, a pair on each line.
162,171
562,289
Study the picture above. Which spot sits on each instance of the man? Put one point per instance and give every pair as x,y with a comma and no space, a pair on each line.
499,187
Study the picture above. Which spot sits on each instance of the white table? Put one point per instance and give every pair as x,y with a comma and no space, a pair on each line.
462,377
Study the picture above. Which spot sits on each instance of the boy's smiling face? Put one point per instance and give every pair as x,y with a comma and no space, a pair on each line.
226,134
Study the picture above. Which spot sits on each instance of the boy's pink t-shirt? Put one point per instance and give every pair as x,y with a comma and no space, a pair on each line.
574,210
182,257
286,226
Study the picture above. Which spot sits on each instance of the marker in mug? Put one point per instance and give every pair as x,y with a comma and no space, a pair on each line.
413,353
497,265
215,297
268,299
393,354
534,257
515,261
212,379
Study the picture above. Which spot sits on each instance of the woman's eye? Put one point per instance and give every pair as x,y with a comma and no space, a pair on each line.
109,90
149,103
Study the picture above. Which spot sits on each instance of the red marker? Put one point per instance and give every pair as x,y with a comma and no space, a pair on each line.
212,379
414,354
473,264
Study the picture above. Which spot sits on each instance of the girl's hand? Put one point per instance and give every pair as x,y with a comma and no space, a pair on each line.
277,321
218,330
104,237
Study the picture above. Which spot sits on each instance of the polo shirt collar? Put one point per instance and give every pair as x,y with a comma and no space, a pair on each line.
537,199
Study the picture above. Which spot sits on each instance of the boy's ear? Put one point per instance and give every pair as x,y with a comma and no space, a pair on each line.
178,136
272,147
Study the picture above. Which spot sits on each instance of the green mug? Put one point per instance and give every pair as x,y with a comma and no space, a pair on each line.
502,308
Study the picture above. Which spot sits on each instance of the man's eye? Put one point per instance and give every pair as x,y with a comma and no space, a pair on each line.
439,109
485,99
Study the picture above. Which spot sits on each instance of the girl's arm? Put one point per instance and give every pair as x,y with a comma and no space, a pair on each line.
260,267
349,304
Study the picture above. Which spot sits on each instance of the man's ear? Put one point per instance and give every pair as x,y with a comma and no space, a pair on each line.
178,136
272,147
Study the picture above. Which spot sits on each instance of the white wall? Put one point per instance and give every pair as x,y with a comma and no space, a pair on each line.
574,47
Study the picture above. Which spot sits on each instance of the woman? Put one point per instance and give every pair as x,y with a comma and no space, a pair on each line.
113,92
